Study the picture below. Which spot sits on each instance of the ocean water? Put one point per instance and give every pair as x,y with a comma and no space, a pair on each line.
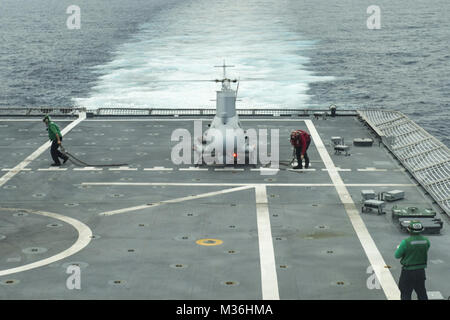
287,53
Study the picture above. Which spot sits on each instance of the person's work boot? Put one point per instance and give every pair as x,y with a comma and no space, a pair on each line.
55,164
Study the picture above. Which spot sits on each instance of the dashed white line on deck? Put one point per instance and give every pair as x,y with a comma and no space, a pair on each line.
158,169
123,169
193,169
87,169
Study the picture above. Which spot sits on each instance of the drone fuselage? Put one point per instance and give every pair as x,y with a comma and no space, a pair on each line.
225,142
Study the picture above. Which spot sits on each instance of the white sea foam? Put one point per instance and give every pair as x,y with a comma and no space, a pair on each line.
186,41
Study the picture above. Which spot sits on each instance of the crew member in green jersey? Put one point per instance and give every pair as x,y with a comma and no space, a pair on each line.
413,253
54,134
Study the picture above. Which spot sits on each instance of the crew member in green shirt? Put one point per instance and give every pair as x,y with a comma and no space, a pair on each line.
413,253
54,134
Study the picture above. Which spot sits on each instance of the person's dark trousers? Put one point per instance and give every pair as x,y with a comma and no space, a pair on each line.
298,153
56,154
412,280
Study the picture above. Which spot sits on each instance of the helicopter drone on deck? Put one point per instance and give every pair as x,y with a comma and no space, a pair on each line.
225,140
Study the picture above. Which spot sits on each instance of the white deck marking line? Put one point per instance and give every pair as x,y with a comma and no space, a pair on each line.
5,178
155,204
193,169
383,274
88,169
52,169
84,237
11,169
301,170
123,169
229,169
269,280
372,169
264,169
182,184
124,210
336,169
158,169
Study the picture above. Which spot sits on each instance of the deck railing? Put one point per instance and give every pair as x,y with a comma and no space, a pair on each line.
167,112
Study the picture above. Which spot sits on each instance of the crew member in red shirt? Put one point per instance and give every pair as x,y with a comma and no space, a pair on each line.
300,140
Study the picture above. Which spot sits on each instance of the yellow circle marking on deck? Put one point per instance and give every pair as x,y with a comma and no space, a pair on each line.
209,242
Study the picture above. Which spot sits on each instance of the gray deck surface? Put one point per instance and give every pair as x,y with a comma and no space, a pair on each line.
153,251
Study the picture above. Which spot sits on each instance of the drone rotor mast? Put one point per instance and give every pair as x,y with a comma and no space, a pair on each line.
225,81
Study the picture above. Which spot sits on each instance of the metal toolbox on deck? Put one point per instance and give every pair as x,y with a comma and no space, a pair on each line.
373,204
393,195
368,194
362,142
